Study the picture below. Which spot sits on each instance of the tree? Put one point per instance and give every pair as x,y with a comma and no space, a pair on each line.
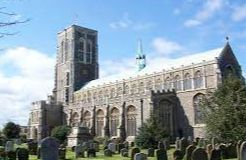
61,133
151,132
11,130
9,19
224,111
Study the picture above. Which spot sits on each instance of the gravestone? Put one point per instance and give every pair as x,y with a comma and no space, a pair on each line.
189,151
161,154
183,145
134,151
215,155
199,154
9,146
85,145
91,152
223,149
209,149
166,143
120,146
123,152
151,152
49,149
214,142
108,153
95,145
243,151
238,148
78,135
178,155
126,144
112,147
22,154
79,152
140,156
177,144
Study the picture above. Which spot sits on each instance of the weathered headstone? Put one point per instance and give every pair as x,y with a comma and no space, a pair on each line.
108,153
22,154
161,145
215,155
238,148
49,149
189,151
183,145
178,155
79,152
112,147
161,154
199,154
123,152
223,149
134,151
91,152
151,152
243,151
214,142
120,146
177,143
209,149
140,156
126,144
9,146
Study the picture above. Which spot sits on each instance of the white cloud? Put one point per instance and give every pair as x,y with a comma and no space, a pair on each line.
239,13
176,11
165,47
207,11
126,22
31,80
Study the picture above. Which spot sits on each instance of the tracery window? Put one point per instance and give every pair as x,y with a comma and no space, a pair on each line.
114,121
87,119
126,89
100,122
177,83
197,102
131,121
198,80
119,91
158,84
187,81
141,87
75,119
89,51
167,83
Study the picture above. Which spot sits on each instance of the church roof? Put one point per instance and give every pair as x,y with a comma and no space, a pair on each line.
158,66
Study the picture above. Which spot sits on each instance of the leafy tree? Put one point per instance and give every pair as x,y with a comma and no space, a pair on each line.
151,132
224,111
11,130
61,133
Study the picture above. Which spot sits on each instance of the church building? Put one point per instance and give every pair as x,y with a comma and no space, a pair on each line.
122,102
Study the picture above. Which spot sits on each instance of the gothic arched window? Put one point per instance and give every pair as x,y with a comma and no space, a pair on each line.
62,51
198,80
114,121
141,87
158,84
100,122
197,100
88,51
167,83
131,121
75,119
177,83
229,71
87,119
81,45
187,81
112,93
126,89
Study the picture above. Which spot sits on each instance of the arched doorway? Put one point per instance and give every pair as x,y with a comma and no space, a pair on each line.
166,114
131,121
114,119
100,122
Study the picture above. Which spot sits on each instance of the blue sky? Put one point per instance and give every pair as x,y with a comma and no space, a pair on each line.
167,28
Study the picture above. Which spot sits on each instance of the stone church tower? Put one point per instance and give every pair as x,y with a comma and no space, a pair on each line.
77,61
